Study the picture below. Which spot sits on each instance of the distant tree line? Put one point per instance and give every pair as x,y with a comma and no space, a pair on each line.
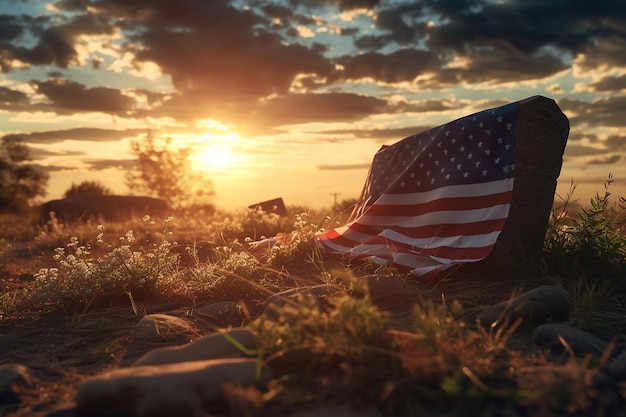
161,170
20,182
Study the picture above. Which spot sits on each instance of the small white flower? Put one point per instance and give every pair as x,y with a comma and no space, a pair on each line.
146,218
100,227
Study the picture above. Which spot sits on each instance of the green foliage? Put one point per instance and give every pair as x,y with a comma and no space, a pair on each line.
20,183
589,243
87,187
164,171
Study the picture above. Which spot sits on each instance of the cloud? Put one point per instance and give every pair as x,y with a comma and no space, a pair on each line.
343,167
605,161
102,164
82,134
398,66
9,97
302,108
608,84
70,96
609,111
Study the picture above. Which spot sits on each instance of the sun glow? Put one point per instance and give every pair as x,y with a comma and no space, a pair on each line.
219,155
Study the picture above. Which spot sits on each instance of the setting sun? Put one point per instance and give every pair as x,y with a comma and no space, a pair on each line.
217,155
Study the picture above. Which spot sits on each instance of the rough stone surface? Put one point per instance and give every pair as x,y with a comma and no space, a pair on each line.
12,374
581,342
217,345
222,314
535,307
541,134
160,327
181,389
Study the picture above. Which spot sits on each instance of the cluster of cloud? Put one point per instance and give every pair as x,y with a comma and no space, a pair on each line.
228,58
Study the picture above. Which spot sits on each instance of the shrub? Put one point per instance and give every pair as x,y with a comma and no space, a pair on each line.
127,270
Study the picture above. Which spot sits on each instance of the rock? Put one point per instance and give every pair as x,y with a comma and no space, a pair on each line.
11,375
581,342
217,345
162,327
225,313
181,389
535,307
278,300
617,367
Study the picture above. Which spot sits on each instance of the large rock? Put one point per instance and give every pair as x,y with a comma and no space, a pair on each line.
536,306
541,134
181,389
217,345
12,375
553,336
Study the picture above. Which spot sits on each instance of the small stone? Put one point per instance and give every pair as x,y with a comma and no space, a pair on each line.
221,314
12,374
581,342
161,327
181,389
536,306
217,345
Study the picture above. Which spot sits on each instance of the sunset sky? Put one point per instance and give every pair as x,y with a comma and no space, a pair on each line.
292,99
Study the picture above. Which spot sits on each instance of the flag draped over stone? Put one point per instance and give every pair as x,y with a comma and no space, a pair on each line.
435,199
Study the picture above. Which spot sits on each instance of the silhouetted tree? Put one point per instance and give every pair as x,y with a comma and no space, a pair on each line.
87,187
20,183
163,170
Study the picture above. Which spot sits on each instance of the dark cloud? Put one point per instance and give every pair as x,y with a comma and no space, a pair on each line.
303,108
11,27
71,96
102,164
52,168
402,65
608,84
615,143
39,153
610,111
341,4
572,151
240,64
11,97
81,134
607,51
605,161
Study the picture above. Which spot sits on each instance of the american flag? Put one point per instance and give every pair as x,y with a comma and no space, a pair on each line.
435,199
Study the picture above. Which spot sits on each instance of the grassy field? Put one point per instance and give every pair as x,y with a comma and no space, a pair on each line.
377,342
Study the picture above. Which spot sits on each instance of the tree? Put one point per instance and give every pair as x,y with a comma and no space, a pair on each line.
87,187
20,183
163,170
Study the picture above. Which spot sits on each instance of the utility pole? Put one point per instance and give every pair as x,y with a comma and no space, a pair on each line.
335,197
